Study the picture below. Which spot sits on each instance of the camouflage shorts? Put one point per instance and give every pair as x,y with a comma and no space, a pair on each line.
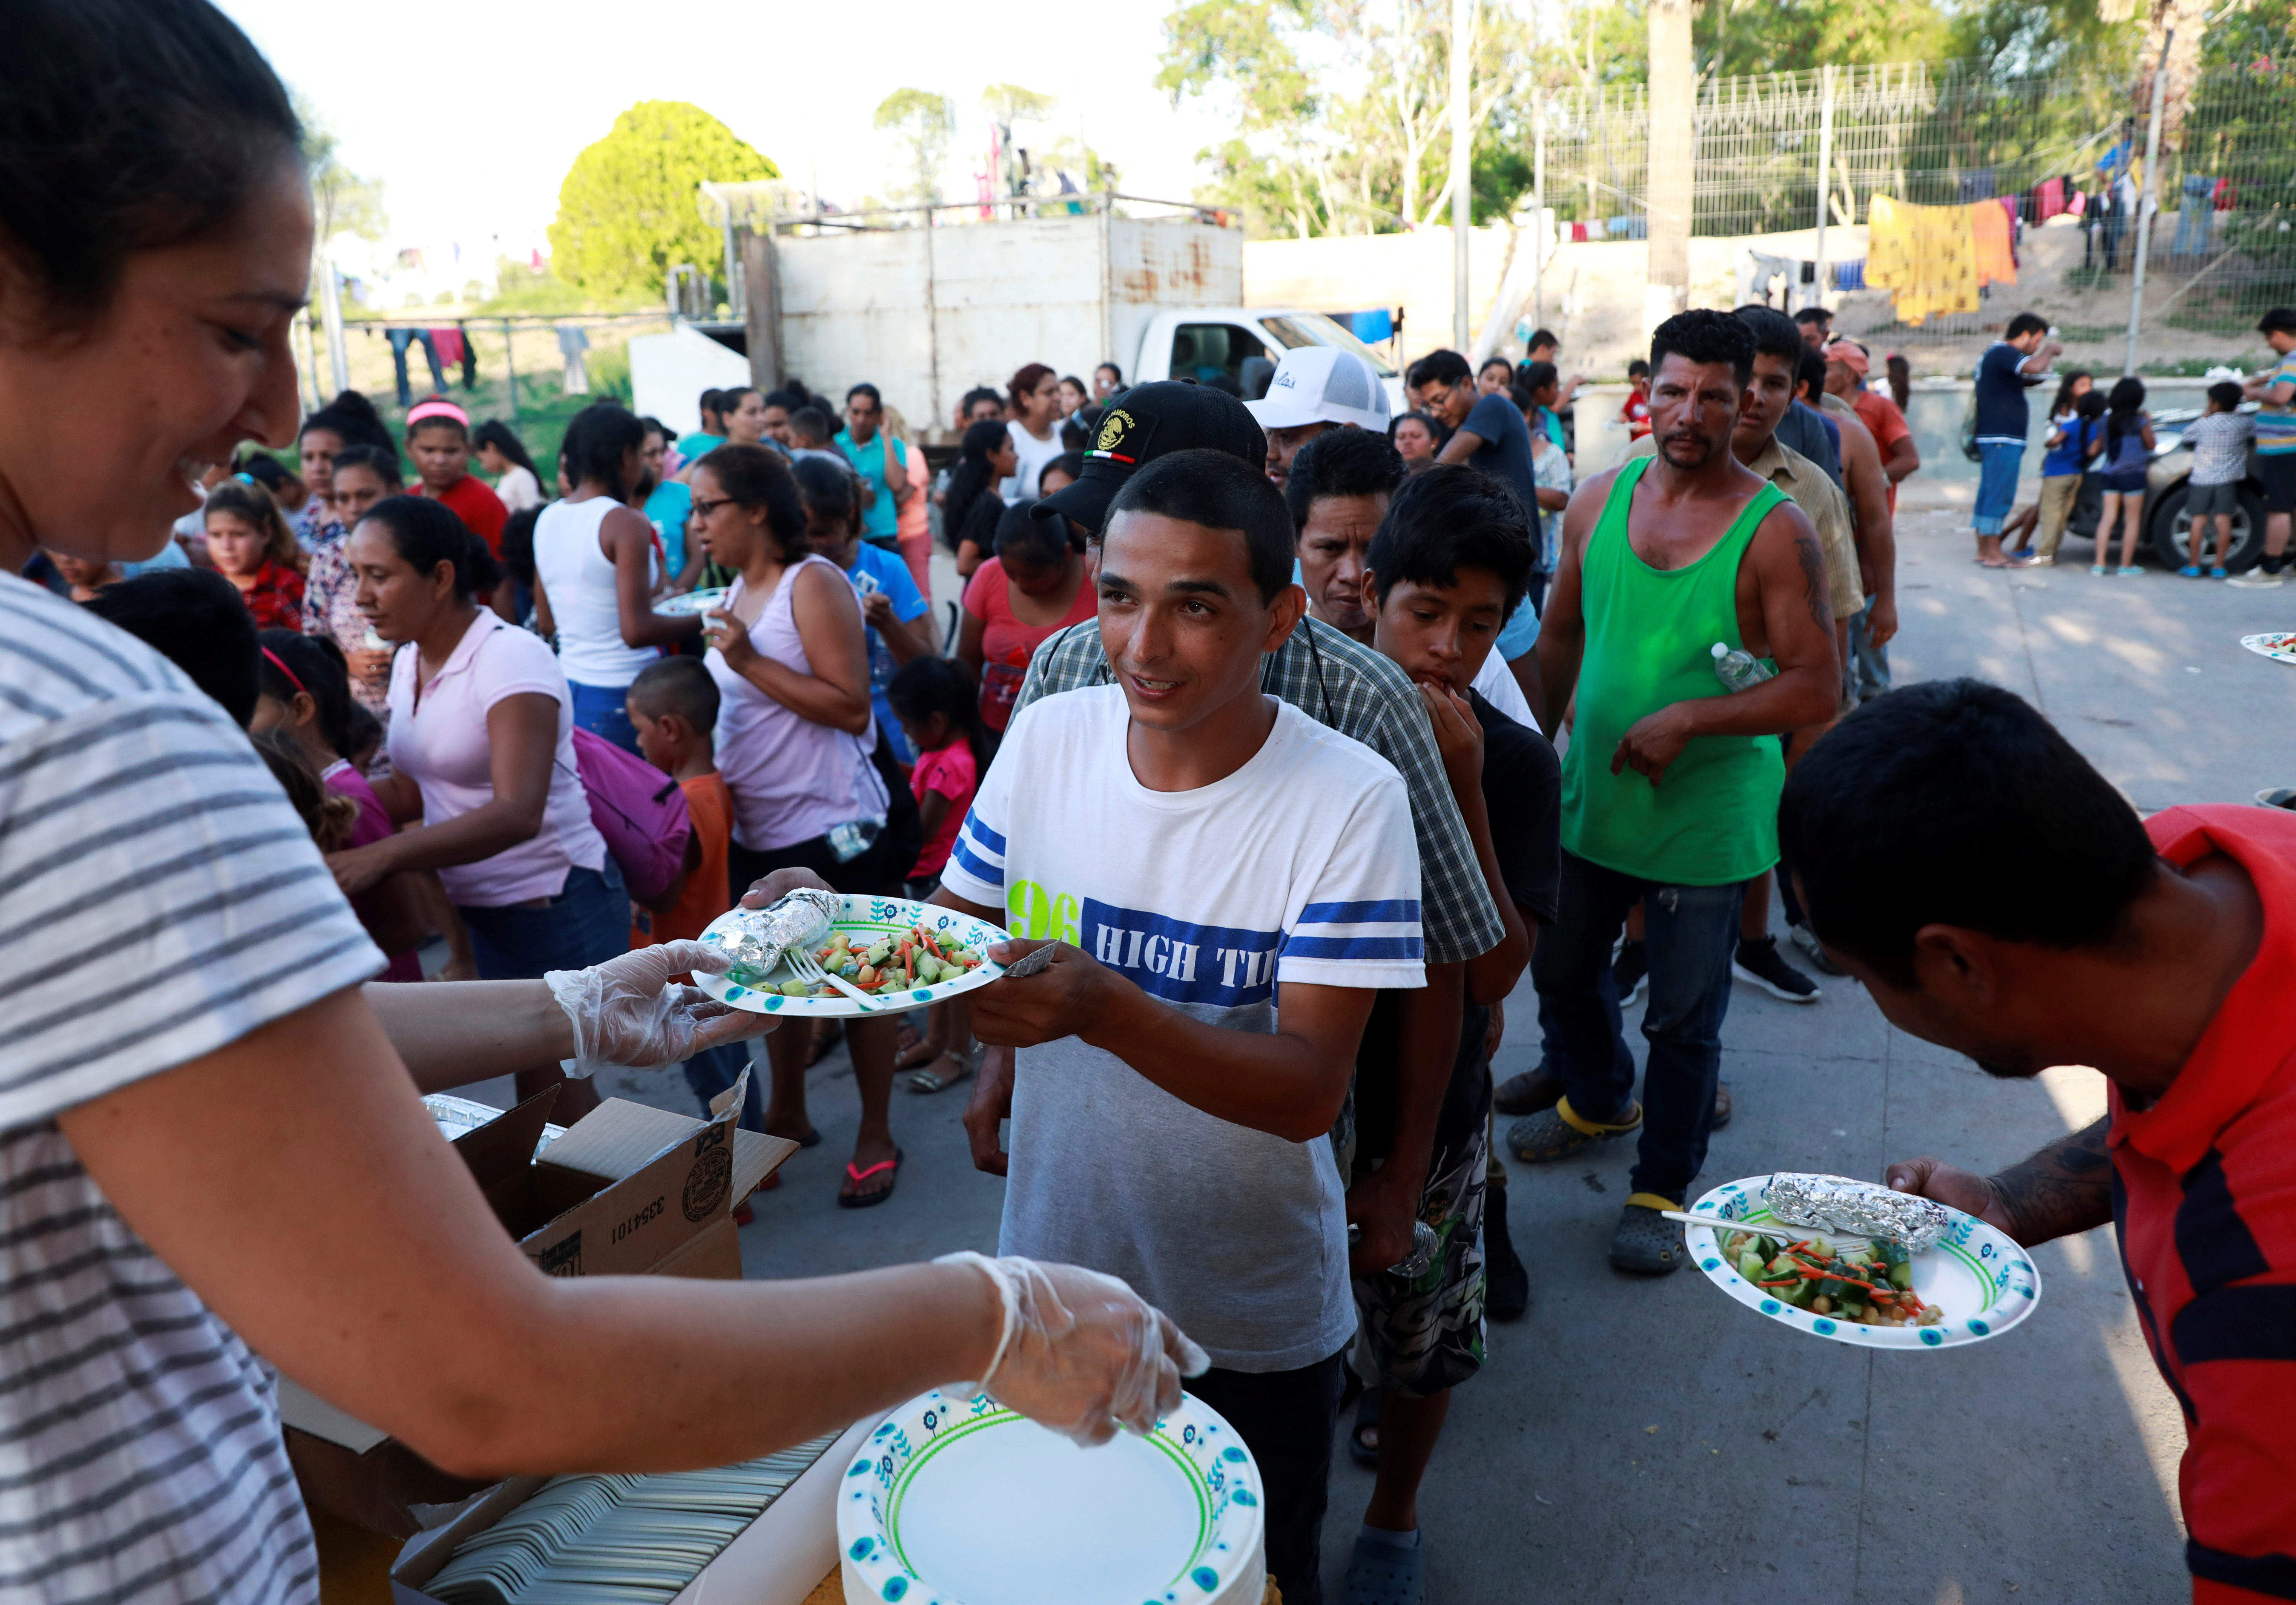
1420,1335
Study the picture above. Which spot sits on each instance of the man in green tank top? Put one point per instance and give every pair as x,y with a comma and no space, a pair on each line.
1670,785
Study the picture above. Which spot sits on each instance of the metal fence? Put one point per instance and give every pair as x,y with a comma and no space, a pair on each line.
1941,134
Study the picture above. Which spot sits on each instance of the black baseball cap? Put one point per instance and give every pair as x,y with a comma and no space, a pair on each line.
1147,421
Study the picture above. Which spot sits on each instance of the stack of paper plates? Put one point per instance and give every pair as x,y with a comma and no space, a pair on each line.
961,1502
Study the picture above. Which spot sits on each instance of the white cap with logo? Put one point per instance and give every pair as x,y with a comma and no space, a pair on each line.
1323,384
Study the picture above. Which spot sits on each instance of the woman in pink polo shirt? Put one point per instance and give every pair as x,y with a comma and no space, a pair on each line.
481,749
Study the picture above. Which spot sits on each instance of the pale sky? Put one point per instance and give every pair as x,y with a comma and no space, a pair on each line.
472,114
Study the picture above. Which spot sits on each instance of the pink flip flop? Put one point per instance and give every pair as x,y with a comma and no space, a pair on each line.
868,1200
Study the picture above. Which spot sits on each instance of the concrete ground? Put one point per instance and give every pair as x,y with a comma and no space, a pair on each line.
1650,1441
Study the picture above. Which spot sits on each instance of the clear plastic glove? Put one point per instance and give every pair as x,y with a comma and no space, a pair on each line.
626,1012
1082,1353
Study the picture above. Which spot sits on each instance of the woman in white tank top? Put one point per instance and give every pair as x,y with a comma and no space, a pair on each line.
794,736
596,565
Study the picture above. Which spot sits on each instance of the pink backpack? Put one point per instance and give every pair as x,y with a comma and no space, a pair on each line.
639,810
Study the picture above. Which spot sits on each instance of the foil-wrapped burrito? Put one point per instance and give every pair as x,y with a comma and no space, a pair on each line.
761,935
1837,1203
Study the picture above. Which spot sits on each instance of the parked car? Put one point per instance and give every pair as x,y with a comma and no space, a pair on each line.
2167,526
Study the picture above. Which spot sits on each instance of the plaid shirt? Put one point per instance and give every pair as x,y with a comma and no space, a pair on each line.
1361,694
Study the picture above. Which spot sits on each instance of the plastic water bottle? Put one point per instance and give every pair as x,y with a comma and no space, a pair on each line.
854,837
1423,1246
1737,669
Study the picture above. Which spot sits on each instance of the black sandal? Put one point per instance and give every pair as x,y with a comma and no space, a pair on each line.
1364,1455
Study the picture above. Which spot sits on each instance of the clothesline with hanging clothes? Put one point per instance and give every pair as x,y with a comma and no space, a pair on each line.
1934,260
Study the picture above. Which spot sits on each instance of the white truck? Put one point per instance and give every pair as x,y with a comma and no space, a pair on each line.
928,314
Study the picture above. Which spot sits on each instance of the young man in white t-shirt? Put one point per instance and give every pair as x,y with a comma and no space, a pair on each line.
1220,946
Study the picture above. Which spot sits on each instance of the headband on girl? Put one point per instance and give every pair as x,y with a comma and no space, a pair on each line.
293,678
423,410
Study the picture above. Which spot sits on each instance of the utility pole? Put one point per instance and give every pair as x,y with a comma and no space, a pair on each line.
1463,146
331,309
1825,170
1539,208
2147,203
1673,153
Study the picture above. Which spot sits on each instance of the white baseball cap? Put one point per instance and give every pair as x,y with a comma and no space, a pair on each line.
1322,384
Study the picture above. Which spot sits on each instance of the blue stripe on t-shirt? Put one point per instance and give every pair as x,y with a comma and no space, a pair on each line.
1219,966
988,837
1386,910
1361,949
973,851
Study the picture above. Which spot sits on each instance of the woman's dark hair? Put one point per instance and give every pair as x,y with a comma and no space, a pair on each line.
928,685
1341,463
1538,375
1952,802
518,543
2065,397
425,533
1450,518
318,663
976,395
827,489
600,442
127,126
266,470
1070,463
1110,367
384,462
504,439
353,417
1021,535
194,619
2091,405
970,478
1901,378
754,478
1219,492
2121,410
1027,380
328,815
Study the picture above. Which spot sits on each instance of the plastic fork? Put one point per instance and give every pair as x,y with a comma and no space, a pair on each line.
808,969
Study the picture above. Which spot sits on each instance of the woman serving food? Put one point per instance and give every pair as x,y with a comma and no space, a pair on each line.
229,1068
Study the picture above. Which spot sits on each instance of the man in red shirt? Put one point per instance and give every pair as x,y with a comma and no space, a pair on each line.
439,438
1846,367
1997,895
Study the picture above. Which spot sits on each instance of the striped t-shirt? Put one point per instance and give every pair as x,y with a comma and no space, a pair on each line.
159,900
2275,420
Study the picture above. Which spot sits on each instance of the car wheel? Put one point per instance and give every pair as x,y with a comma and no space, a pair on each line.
2172,530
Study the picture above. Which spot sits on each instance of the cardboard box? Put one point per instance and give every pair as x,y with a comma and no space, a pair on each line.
627,1189
777,1559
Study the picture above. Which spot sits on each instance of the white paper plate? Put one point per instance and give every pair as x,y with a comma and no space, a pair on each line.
961,1502
694,602
874,917
1981,1280
2279,645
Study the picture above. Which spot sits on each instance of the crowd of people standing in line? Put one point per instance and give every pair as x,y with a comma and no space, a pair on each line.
1315,700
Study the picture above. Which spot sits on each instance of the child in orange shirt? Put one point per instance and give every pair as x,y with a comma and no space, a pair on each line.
673,705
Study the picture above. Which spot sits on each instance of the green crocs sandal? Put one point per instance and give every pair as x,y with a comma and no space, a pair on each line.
1558,1133
1646,1243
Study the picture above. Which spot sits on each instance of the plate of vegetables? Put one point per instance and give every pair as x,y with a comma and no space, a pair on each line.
908,953
2279,645
1976,1283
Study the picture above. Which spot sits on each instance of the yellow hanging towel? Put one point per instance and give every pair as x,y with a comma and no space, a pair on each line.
1925,256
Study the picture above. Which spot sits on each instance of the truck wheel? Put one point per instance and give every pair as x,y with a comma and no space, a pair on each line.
2172,530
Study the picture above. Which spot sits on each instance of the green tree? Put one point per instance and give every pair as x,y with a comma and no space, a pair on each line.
1369,151
342,202
925,120
631,207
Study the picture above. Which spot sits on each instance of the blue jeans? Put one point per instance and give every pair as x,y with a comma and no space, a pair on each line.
604,710
1870,663
715,1070
1997,483
1691,932
586,923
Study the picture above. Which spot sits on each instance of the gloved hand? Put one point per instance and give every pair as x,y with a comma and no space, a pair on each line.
1082,1353
626,1012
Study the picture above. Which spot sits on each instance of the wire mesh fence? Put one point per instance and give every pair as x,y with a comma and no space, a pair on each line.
1942,135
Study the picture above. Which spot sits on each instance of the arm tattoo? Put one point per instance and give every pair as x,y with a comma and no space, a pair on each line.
2065,1188
1813,581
